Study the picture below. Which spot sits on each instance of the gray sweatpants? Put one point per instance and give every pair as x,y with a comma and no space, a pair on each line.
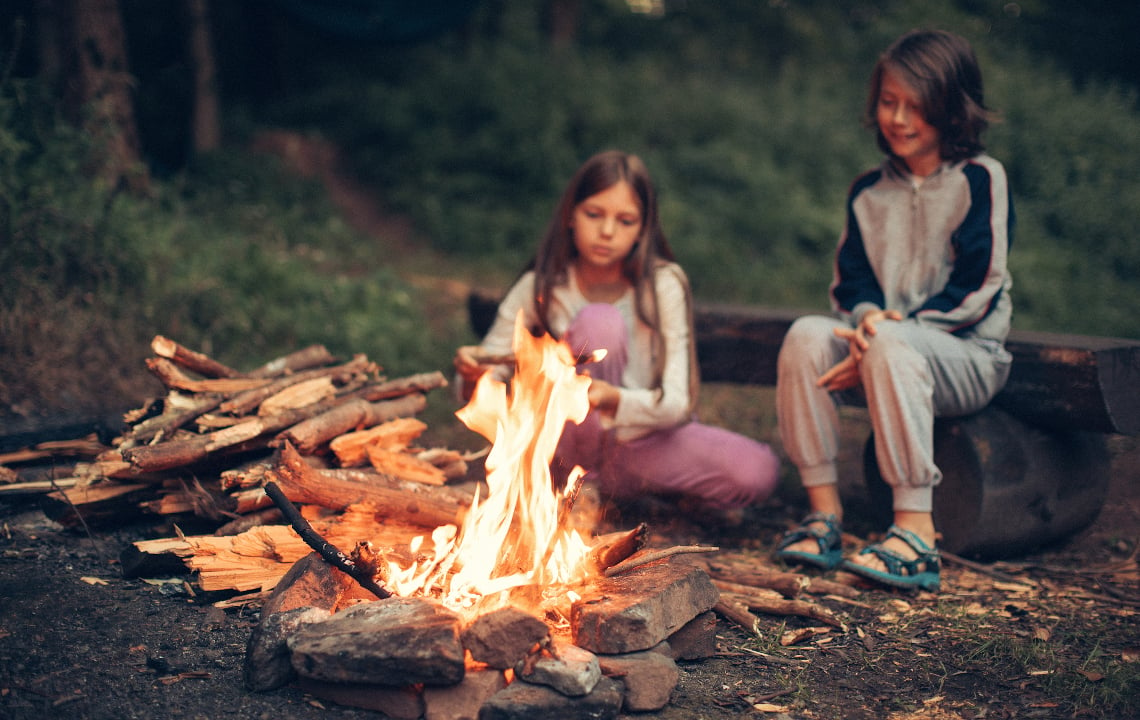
910,373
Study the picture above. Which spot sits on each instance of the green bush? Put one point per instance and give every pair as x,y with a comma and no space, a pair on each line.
749,117
236,258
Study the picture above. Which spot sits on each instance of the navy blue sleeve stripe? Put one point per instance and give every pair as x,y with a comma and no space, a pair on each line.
855,279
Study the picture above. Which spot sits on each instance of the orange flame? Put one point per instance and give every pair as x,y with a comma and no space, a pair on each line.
516,536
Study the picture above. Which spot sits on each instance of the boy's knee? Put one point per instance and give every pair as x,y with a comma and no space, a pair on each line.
808,336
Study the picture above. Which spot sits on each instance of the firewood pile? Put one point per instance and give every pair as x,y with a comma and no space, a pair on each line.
337,437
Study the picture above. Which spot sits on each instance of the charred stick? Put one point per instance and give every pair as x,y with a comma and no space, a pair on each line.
324,548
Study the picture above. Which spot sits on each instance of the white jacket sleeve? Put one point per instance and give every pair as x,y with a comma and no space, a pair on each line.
641,410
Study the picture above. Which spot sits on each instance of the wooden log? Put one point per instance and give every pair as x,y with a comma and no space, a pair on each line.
172,377
303,359
745,568
393,499
405,467
95,505
245,402
418,383
298,395
188,451
190,359
610,549
775,605
1074,382
736,611
351,449
310,434
85,447
787,584
1007,486
178,411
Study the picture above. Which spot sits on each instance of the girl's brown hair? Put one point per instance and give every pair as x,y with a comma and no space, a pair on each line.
942,68
557,250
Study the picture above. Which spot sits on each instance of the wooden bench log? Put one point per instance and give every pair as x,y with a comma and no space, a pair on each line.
1030,469
1058,381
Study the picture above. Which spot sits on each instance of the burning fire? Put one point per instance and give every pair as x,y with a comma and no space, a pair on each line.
517,536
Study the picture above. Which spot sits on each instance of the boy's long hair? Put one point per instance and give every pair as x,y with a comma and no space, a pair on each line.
557,250
942,68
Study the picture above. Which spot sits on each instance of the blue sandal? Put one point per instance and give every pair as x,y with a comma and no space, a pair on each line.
829,539
923,571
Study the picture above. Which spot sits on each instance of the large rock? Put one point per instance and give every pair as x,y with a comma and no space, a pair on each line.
395,642
640,608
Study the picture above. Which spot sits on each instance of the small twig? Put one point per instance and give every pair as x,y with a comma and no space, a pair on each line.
657,555
984,569
331,554
78,515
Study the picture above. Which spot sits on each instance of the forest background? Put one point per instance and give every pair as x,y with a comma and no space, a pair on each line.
135,199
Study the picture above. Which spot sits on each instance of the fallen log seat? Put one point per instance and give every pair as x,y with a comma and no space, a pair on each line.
1030,469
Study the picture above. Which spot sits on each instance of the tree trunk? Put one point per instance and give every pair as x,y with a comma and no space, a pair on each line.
97,88
206,128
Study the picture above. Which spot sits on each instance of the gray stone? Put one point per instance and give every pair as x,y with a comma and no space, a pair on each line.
696,640
267,661
462,701
524,701
393,642
311,582
569,669
636,610
396,703
503,637
648,678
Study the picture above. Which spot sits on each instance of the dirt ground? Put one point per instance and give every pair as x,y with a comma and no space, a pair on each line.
1051,635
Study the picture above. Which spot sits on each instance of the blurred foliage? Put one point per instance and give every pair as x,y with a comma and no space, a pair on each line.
747,113
236,258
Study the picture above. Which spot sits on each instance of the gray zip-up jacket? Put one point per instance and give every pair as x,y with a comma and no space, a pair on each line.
935,249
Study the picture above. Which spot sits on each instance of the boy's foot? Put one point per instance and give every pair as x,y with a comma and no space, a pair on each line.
902,560
817,541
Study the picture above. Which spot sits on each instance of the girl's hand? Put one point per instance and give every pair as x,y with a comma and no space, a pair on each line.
604,397
470,364
467,365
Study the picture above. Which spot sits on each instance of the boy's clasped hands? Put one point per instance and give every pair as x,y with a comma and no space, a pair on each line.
844,375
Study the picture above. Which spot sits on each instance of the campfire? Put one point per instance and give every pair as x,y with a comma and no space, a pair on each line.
512,612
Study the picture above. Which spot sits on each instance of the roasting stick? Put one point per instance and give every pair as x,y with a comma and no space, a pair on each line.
331,554
509,358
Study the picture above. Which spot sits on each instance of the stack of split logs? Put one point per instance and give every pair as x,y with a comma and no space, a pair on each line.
337,437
